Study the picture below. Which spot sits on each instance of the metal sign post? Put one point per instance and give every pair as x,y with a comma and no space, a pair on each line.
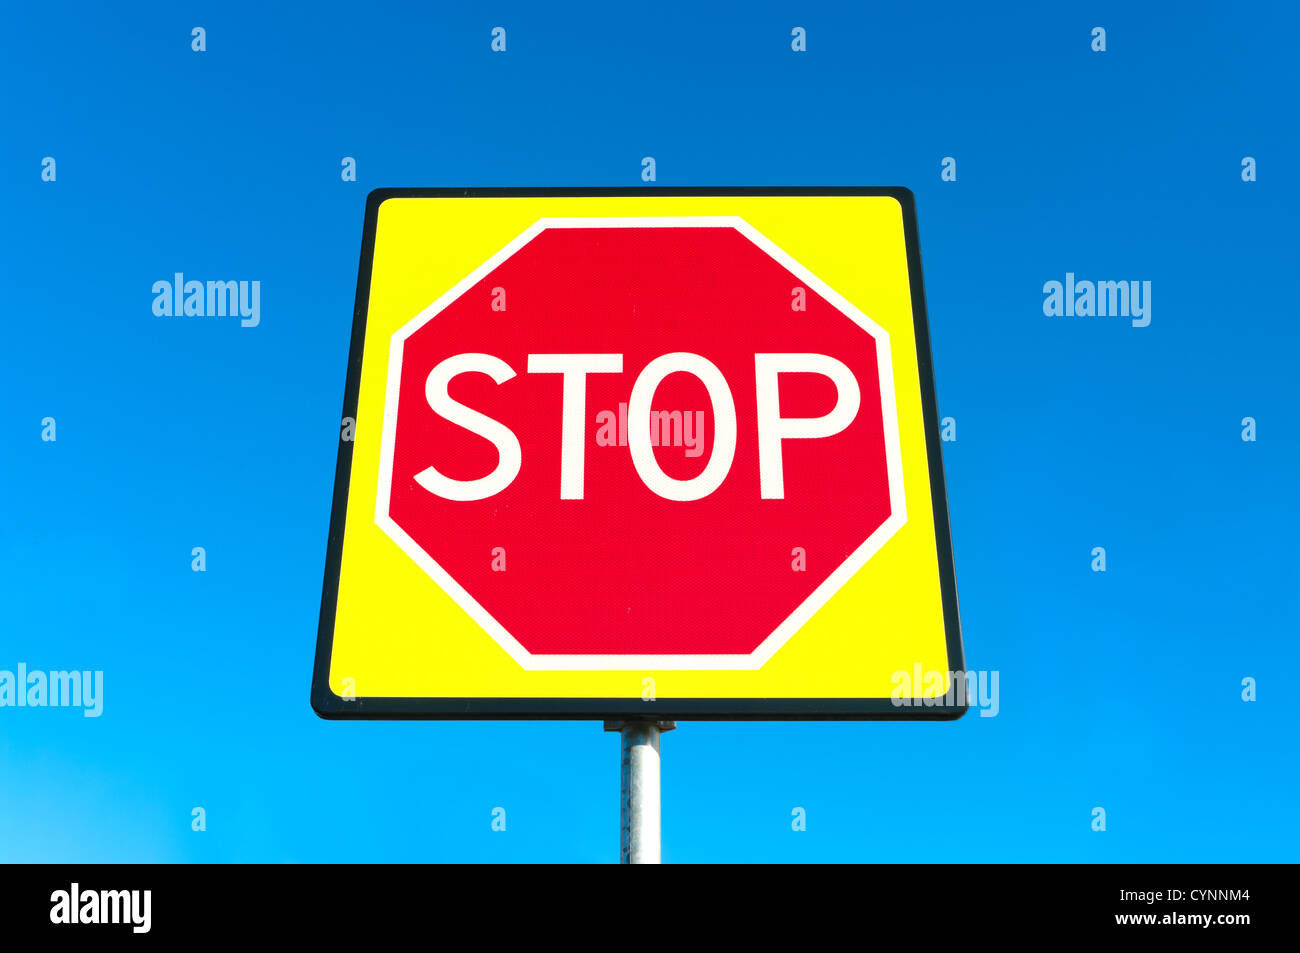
639,812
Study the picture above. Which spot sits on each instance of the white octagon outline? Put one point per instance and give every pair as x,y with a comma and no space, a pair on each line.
792,623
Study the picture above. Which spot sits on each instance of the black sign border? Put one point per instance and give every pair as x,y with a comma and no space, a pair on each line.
331,706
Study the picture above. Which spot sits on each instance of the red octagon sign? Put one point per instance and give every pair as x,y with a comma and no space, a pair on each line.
640,443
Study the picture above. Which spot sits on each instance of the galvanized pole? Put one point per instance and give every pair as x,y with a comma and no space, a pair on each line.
639,814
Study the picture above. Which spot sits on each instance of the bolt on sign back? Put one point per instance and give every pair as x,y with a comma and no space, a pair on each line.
670,454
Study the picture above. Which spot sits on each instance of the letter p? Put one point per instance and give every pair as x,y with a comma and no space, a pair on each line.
773,428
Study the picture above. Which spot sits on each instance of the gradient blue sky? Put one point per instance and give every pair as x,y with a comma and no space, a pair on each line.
1119,690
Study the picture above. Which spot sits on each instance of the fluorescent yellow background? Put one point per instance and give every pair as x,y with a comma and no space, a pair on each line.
397,634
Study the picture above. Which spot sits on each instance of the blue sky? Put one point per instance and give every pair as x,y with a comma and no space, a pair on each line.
1120,690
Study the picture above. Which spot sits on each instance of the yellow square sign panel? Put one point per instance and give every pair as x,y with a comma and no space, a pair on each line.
667,454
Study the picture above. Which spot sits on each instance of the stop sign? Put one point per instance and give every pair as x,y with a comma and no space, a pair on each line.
640,442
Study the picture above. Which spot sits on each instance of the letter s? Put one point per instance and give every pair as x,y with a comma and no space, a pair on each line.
509,452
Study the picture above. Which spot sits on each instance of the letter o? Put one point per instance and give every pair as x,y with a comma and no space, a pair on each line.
724,427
